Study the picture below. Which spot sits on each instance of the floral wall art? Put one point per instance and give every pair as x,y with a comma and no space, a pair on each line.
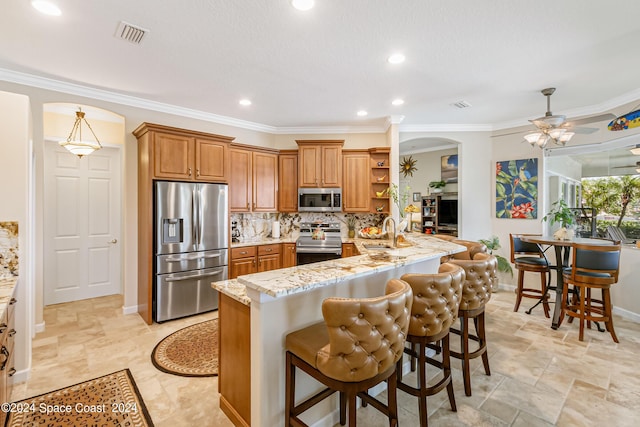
517,189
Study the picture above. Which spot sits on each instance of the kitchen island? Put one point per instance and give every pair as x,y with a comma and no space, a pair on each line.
284,300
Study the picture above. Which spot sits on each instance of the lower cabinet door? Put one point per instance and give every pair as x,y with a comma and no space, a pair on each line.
269,262
242,266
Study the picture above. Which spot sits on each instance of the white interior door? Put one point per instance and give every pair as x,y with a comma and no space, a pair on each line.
82,248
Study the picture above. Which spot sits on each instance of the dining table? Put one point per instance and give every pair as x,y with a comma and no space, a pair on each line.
562,250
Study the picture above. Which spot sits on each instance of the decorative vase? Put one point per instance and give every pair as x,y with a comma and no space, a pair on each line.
564,234
352,233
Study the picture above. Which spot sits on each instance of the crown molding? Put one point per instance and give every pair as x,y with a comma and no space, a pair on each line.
131,101
446,128
292,130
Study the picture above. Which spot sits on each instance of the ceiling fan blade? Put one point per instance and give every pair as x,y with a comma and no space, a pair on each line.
583,130
593,119
509,133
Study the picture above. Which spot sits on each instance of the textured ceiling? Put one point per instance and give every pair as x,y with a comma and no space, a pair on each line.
317,68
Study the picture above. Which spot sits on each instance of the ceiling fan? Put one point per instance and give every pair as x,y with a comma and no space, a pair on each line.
556,128
636,166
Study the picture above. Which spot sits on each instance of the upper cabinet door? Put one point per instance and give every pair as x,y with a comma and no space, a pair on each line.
173,156
240,182
331,166
355,176
288,182
212,161
265,182
309,163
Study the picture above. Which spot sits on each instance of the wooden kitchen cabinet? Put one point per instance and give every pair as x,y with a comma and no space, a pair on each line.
355,181
253,185
349,249
320,163
188,158
289,258
174,154
7,365
254,259
269,257
243,261
288,181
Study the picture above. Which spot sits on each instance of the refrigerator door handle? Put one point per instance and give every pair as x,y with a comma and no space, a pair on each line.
191,257
193,276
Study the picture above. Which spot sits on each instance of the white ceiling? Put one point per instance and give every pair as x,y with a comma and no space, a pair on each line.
318,68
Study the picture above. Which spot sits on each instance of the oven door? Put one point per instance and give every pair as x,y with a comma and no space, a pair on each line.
311,257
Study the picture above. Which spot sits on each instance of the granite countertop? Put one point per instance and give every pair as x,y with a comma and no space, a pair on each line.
233,289
7,285
263,241
286,281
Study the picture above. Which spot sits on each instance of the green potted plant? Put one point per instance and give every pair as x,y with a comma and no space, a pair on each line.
437,186
562,214
492,244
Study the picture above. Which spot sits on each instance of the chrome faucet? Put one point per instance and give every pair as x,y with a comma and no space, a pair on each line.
395,229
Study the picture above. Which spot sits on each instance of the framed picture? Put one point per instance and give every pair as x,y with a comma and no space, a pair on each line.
517,189
416,197
449,168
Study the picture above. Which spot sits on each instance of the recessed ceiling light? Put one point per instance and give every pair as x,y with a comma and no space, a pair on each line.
302,4
245,102
46,7
397,101
362,113
396,58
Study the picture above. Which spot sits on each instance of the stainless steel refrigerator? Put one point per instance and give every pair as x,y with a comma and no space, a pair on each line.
191,247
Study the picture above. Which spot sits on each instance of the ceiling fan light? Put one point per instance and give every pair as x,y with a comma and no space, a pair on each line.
636,150
542,140
532,138
566,136
556,133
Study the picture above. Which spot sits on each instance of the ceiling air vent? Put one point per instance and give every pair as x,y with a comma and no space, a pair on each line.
461,104
130,33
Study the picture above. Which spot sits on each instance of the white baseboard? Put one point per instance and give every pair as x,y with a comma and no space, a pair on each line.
20,376
39,327
130,310
635,317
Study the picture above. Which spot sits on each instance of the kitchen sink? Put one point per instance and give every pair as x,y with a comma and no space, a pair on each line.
377,246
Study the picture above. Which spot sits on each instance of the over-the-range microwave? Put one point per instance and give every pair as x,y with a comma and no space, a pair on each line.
320,199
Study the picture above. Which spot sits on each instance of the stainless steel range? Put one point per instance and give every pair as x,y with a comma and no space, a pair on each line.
318,241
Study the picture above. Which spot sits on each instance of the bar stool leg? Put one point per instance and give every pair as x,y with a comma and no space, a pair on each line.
290,378
519,289
606,302
464,345
422,384
583,296
446,365
480,329
543,290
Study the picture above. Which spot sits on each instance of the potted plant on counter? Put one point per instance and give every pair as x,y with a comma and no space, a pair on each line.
437,186
562,214
351,226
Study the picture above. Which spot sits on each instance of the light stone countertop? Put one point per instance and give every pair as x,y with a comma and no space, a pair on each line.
263,241
287,281
7,285
233,289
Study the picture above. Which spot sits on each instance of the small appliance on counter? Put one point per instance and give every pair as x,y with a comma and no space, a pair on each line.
235,233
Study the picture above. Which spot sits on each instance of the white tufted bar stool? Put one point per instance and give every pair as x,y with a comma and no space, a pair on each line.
476,292
355,348
436,299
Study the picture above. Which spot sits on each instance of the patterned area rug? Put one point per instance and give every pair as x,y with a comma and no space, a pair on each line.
112,400
189,352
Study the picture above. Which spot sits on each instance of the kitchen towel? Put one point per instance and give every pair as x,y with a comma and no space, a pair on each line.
275,230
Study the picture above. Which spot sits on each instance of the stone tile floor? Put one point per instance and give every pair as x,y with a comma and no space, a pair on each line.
540,377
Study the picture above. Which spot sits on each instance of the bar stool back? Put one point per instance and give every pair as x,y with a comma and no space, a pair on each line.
355,348
592,267
481,275
527,256
436,299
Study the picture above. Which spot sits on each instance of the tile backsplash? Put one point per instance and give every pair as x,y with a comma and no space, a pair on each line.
254,226
8,249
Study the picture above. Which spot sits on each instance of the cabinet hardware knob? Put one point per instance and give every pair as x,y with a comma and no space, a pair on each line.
247,205
197,172
189,171
243,253
12,332
12,301
269,250
12,371
114,241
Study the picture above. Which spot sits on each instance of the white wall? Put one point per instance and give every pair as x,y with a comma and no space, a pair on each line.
428,165
15,169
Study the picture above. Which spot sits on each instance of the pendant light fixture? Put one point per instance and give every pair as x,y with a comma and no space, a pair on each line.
74,142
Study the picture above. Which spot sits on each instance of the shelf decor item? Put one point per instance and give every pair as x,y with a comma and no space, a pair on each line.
437,186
